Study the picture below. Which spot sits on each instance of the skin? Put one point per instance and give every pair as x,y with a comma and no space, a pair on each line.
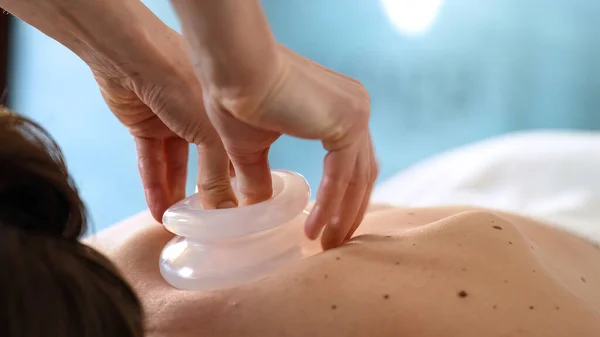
148,83
232,94
250,80
453,271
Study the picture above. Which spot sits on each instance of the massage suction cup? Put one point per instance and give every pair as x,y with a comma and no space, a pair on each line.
223,248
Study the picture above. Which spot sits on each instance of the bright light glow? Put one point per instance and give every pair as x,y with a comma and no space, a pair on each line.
174,250
412,17
186,272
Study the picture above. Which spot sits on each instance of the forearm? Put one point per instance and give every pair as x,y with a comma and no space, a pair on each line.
230,40
110,32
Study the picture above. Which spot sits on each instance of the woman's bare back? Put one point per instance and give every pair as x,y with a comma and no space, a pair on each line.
412,272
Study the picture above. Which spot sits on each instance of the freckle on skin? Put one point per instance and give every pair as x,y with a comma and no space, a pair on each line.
464,269
494,307
333,307
505,281
386,296
414,244
534,271
532,248
497,227
531,307
411,213
583,279
388,236
326,276
338,258
557,308
510,242
397,263
462,294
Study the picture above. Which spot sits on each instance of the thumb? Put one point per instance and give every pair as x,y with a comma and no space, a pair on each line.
214,184
253,176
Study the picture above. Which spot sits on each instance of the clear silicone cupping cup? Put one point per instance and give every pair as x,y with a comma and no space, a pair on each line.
222,248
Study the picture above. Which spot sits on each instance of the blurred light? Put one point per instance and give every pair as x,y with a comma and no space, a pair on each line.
412,17
186,272
174,251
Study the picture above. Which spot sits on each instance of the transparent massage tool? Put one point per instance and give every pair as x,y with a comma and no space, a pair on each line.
224,248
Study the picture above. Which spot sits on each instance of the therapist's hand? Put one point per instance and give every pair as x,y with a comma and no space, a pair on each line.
162,106
303,99
148,83
255,90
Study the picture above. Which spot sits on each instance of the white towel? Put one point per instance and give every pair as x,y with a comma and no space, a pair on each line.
550,175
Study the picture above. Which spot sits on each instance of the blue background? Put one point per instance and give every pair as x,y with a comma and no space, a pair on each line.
483,68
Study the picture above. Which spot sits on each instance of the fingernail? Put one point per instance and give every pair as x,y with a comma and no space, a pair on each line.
310,232
226,204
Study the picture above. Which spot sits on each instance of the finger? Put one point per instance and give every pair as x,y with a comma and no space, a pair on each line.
336,232
253,176
214,184
360,216
176,159
337,173
372,177
151,164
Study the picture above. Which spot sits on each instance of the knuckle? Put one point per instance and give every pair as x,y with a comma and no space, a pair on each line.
362,92
360,106
255,195
362,99
247,158
178,167
201,134
155,97
336,133
337,183
147,162
357,181
353,116
182,111
151,183
214,186
359,111
240,104
354,183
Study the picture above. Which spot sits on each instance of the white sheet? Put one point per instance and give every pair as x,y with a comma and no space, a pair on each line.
553,176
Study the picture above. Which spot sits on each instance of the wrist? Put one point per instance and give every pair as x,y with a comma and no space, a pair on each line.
122,39
106,34
230,43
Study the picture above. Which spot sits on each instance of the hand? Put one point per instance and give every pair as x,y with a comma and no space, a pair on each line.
255,90
161,105
148,83
301,98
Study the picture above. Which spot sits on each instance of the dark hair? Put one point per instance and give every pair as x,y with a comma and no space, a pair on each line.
51,284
